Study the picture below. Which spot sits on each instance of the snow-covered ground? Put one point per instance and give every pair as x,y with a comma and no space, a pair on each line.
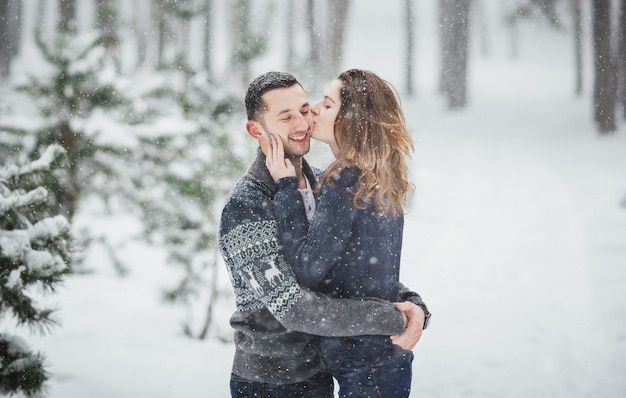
516,238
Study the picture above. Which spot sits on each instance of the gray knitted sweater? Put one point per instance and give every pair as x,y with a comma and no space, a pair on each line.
276,320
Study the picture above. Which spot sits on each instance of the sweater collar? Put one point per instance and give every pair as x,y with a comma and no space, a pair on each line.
259,170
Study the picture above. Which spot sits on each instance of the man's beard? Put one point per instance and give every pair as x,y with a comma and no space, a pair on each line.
289,154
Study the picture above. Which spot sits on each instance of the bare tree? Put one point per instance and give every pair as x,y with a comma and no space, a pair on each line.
455,48
605,74
10,30
410,33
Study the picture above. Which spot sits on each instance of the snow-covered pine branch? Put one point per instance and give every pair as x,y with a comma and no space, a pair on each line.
43,163
34,251
16,200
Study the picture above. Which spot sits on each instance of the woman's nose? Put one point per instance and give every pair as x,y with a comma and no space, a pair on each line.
315,109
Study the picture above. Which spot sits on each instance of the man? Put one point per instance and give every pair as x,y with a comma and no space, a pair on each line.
276,319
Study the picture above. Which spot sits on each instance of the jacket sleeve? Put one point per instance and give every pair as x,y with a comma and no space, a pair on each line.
262,278
404,294
312,250
302,245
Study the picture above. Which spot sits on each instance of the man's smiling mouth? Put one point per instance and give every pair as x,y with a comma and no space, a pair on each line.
299,138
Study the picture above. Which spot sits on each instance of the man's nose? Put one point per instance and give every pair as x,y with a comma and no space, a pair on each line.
307,121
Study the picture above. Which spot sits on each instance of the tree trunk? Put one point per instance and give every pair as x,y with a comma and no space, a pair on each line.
483,28
315,55
40,14
442,39
291,21
337,19
183,41
208,38
455,51
159,19
511,19
578,44
143,25
241,39
622,56
106,22
410,32
10,32
67,14
605,90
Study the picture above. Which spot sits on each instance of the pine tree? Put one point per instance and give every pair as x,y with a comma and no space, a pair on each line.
182,177
81,108
71,98
34,253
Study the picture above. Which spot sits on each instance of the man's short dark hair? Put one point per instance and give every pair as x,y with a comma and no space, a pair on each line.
262,84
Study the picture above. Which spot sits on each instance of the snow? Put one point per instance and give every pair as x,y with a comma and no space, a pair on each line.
515,238
15,277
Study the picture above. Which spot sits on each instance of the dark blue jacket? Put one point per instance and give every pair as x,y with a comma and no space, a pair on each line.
345,252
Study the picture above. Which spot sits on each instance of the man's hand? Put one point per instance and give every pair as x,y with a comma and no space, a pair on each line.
275,161
414,325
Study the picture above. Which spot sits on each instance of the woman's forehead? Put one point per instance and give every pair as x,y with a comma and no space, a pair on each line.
333,89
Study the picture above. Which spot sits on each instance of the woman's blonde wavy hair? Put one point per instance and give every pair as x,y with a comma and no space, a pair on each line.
371,134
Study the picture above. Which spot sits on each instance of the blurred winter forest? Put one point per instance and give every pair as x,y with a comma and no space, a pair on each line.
142,101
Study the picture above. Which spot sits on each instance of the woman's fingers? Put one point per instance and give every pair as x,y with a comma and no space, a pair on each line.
280,150
275,161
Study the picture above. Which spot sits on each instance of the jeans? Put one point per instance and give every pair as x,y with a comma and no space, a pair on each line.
318,386
390,379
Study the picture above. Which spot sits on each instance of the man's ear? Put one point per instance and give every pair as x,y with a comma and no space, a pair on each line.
254,130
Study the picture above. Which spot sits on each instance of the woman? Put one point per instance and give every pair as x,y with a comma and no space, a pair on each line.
351,246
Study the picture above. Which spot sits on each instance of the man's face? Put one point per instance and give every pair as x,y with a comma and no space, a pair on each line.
289,117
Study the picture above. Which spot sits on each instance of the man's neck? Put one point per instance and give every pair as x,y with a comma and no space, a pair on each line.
297,163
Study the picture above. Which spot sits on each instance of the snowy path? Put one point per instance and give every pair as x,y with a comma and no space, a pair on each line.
509,249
